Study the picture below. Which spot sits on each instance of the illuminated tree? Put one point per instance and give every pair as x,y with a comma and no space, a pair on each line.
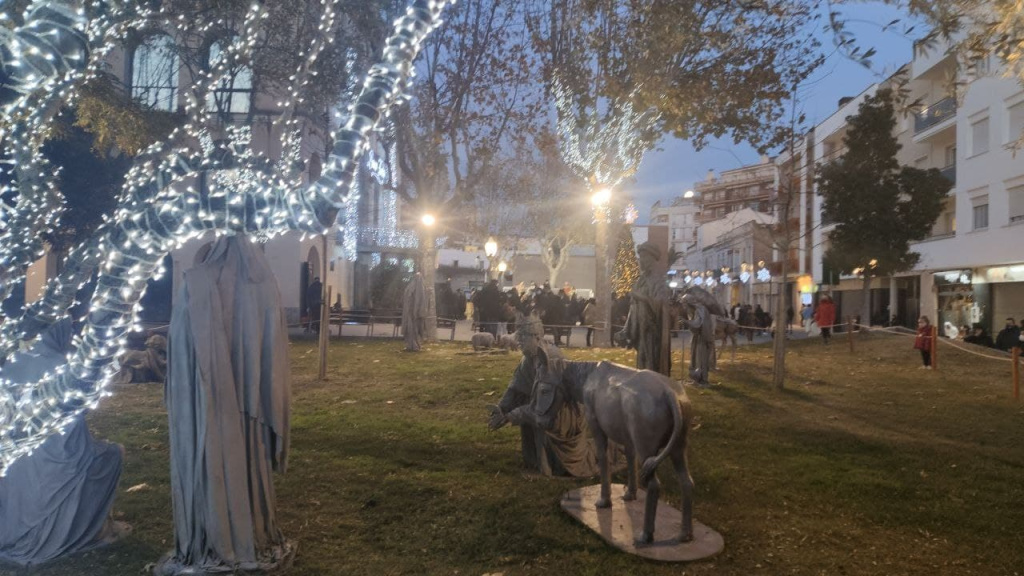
160,208
626,270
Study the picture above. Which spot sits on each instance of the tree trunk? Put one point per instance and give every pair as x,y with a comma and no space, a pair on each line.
779,344
865,304
602,286
428,267
553,277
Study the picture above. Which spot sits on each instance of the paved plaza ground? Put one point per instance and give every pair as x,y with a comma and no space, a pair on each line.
864,465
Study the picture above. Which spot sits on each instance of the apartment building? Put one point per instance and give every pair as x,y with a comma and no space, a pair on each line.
971,268
681,217
733,190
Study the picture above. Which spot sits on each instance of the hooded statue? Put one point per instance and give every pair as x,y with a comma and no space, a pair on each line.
57,500
414,313
227,395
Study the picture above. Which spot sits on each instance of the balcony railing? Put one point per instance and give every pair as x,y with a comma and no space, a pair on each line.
939,112
950,173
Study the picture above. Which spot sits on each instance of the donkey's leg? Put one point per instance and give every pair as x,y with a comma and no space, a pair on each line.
630,474
650,509
682,467
601,444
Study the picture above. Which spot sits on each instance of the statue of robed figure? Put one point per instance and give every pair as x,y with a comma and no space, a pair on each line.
227,395
647,327
555,437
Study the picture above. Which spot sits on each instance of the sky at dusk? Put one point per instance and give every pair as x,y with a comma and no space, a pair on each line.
675,166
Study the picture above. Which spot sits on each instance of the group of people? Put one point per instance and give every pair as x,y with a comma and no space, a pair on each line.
494,310
751,320
1009,337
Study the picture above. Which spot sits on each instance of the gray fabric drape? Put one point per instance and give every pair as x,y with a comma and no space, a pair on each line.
414,313
56,501
227,395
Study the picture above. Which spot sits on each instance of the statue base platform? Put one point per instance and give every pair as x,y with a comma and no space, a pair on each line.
622,523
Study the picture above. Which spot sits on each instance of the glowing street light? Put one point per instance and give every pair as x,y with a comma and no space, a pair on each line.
490,248
502,266
602,197
428,220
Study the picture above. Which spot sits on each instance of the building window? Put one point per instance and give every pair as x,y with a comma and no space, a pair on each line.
155,74
234,91
980,215
950,156
1015,114
1016,196
979,137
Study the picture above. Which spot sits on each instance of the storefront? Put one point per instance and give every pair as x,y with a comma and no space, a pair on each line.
1006,287
961,301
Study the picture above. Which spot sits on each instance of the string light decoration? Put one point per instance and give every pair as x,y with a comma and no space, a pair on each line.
42,63
602,149
163,205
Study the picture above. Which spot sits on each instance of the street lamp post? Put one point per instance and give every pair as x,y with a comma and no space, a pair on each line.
602,284
502,267
428,265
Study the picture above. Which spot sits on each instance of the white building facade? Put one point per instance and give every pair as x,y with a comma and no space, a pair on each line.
972,266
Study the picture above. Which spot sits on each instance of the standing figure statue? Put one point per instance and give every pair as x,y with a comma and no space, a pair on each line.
647,325
701,322
414,314
555,437
228,394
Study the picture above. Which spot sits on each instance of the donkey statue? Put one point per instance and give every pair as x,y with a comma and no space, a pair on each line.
648,414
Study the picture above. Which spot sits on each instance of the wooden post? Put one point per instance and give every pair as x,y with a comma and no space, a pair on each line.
849,330
325,325
935,347
1016,372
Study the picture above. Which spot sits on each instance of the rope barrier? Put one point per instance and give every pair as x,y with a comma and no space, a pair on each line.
946,341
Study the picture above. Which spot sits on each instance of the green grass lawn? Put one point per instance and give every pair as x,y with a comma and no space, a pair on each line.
864,465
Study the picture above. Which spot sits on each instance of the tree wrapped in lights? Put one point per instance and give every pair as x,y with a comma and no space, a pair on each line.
43,63
161,208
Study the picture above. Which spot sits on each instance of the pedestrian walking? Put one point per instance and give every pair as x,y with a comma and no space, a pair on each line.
825,316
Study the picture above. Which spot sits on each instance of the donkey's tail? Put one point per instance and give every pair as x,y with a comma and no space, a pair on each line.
651,464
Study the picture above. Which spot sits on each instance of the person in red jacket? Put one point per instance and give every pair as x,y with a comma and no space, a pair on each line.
923,342
825,316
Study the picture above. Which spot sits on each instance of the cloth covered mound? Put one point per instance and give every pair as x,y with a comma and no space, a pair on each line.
56,501
227,395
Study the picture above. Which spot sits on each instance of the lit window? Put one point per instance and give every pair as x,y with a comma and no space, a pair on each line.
155,74
234,91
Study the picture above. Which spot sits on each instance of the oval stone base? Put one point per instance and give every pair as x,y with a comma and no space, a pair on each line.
622,523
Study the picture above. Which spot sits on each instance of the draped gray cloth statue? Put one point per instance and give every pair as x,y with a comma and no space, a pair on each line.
646,326
564,446
701,322
414,313
57,501
227,395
